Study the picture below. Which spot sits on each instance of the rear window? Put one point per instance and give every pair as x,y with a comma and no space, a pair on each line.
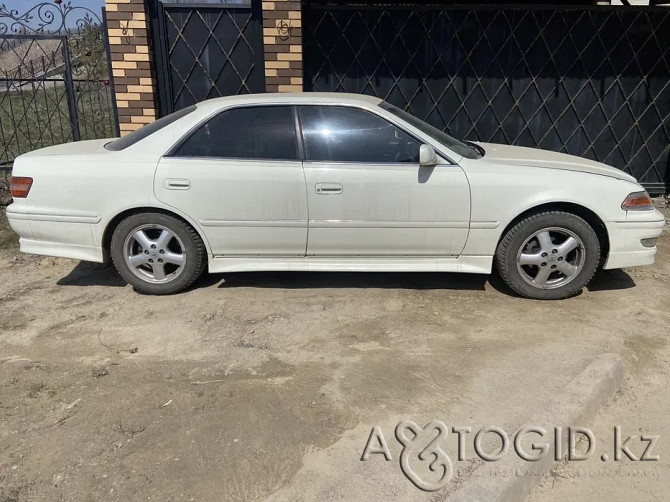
135,136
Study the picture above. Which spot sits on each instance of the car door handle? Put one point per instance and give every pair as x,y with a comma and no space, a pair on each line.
328,188
176,184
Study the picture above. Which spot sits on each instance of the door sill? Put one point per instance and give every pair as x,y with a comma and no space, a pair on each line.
465,264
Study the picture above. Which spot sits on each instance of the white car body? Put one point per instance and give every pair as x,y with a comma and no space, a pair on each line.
269,215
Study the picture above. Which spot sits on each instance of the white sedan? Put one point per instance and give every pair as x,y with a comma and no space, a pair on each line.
329,182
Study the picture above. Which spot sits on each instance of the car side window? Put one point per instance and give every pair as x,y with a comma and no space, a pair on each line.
344,134
259,132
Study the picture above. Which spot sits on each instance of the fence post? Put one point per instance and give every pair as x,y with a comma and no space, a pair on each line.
112,87
69,87
282,40
132,60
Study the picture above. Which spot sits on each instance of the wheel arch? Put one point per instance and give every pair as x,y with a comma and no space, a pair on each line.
118,218
583,212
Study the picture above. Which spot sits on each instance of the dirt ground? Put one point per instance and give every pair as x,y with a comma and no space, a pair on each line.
256,386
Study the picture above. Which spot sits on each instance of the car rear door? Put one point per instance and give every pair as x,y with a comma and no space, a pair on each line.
238,176
367,194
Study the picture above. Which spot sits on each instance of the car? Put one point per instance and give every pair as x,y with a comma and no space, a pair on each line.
327,182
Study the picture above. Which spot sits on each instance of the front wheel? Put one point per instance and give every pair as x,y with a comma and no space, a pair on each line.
157,254
549,255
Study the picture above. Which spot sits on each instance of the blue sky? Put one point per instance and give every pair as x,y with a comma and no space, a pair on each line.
23,5
78,10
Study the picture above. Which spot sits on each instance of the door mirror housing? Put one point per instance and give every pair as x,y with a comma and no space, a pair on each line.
427,156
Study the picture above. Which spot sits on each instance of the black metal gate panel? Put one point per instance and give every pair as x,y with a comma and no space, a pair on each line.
207,50
589,81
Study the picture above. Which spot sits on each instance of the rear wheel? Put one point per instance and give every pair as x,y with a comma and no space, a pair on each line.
157,254
549,255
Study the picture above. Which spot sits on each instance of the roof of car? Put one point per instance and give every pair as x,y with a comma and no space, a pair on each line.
291,98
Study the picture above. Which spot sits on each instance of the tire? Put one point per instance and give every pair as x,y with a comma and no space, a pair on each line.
548,269
157,254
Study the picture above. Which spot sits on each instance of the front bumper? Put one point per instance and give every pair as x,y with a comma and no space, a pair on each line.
626,249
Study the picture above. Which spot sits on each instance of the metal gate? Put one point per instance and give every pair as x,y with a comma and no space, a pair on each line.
37,105
589,81
55,83
206,50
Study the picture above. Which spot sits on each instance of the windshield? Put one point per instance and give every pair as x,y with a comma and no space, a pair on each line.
466,149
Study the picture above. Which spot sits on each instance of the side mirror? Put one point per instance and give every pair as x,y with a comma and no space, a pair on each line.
427,156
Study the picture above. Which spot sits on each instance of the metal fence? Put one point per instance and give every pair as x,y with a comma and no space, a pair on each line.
5,196
36,95
589,81
55,80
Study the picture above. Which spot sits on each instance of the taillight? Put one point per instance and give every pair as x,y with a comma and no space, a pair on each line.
20,186
637,201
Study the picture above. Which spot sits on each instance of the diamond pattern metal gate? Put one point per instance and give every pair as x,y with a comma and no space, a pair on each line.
588,81
207,50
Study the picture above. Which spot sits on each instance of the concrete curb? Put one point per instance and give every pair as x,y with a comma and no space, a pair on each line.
580,401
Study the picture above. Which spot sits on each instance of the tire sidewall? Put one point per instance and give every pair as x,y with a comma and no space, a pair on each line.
509,248
192,252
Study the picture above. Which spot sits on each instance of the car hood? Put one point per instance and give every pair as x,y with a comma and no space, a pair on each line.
532,157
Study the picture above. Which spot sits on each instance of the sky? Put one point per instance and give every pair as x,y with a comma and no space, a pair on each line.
23,5
77,12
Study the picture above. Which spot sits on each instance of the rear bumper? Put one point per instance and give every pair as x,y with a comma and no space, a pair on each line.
66,236
74,251
626,249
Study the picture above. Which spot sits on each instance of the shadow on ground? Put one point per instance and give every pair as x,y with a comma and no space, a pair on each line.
92,274
96,274
375,280
609,280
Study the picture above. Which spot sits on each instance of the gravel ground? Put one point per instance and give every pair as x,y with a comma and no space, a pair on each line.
266,385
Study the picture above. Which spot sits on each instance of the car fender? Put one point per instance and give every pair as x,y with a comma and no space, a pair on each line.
499,198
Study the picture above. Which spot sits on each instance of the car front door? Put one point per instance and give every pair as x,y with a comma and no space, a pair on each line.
367,194
238,176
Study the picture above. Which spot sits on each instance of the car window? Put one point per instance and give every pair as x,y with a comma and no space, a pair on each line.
259,132
141,133
342,134
467,150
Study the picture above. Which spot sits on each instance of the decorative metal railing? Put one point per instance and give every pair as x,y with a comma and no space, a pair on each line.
56,17
55,78
36,66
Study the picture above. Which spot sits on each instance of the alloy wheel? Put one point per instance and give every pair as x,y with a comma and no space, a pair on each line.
550,258
154,253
